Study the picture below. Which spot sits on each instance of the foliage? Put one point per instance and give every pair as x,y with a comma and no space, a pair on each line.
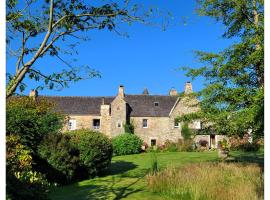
223,144
235,181
22,181
31,120
203,143
59,152
39,30
129,127
233,100
95,150
237,143
126,143
186,132
171,146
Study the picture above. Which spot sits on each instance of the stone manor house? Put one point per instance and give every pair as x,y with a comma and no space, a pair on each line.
153,116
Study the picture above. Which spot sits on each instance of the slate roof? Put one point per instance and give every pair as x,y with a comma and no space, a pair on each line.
140,105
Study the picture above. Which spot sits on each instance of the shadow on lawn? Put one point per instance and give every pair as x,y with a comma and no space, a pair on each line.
119,167
251,157
114,187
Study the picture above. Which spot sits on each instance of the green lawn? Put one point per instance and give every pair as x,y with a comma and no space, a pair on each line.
125,177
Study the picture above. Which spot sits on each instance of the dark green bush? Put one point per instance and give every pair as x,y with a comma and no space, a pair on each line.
249,147
95,150
126,144
62,156
31,120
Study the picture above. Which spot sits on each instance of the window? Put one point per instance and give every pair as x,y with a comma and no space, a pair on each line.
71,124
153,142
145,125
119,124
96,123
176,123
156,103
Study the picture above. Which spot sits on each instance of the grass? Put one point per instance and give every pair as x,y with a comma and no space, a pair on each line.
209,181
125,179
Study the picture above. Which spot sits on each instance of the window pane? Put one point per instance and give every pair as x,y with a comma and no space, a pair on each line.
144,122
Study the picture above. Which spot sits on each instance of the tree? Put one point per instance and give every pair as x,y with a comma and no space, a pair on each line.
45,28
233,100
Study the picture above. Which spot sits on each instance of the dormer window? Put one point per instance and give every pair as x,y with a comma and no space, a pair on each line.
156,104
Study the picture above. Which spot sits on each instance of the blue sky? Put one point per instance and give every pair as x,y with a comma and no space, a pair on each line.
150,56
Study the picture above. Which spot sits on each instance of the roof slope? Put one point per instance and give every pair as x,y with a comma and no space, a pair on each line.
78,105
141,105
144,105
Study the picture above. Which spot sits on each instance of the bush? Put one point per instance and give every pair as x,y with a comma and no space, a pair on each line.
171,146
32,120
95,150
126,144
58,151
22,181
186,132
242,144
203,143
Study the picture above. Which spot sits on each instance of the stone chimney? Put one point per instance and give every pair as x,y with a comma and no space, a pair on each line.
173,92
188,87
145,91
33,94
121,91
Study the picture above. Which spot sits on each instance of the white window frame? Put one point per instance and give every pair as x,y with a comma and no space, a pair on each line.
146,123
176,126
96,127
72,124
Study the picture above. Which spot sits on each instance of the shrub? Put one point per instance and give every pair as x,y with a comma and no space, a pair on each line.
203,143
59,152
31,120
211,181
242,144
22,182
171,146
126,144
95,150
186,132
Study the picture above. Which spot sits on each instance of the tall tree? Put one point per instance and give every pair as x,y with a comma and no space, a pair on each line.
232,101
37,29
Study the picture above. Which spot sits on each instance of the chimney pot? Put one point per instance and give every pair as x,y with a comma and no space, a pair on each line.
173,92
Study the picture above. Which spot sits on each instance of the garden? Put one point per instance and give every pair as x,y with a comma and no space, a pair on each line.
44,163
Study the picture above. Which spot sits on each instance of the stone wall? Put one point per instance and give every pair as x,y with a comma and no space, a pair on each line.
159,128
118,116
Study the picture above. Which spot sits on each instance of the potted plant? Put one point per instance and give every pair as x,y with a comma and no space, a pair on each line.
223,148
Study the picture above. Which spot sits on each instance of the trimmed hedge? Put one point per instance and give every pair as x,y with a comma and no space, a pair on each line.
126,144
